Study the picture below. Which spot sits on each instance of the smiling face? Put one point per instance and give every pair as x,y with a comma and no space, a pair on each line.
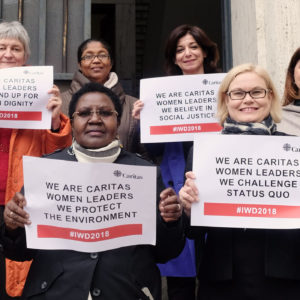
12,53
96,70
248,110
94,131
189,55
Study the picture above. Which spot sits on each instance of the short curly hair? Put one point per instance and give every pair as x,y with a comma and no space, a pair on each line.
94,87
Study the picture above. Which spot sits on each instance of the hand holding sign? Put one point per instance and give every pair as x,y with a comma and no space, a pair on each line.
188,193
54,105
137,107
169,206
14,214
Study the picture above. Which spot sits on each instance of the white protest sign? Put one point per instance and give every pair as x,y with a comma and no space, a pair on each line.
89,206
24,97
247,181
176,107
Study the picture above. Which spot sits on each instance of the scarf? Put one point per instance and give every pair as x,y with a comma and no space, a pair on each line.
106,154
266,127
112,80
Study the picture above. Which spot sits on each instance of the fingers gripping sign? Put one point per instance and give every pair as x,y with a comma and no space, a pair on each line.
14,214
169,206
188,193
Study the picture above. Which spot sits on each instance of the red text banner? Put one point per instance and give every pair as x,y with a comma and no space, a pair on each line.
108,233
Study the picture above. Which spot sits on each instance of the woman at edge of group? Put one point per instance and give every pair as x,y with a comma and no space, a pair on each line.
290,122
237,263
188,51
95,61
14,143
123,273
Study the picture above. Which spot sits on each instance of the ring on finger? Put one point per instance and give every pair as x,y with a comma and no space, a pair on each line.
11,214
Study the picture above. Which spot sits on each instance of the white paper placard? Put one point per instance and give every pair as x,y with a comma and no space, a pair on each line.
247,181
89,206
24,97
177,107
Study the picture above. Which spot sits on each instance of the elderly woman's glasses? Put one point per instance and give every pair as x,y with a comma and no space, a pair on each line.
90,57
87,114
254,94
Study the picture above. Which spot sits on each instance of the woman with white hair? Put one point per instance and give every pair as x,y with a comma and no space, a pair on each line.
14,143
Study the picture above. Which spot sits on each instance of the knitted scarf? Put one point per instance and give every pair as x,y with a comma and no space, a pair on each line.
266,127
107,154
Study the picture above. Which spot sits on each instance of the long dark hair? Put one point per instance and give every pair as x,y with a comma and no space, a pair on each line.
291,91
207,45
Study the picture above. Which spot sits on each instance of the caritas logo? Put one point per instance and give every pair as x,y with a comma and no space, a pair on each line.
287,147
118,173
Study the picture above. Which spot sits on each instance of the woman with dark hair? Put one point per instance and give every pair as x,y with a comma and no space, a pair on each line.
122,273
95,61
291,99
188,51
194,34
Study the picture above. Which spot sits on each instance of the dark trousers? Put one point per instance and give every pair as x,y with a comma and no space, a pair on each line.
181,288
2,262
3,295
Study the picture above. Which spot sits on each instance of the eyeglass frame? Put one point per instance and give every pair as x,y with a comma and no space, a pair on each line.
249,92
101,57
98,113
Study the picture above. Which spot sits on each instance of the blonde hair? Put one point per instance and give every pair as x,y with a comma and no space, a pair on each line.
15,30
222,111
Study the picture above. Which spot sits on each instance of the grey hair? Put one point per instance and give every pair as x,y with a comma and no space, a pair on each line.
15,30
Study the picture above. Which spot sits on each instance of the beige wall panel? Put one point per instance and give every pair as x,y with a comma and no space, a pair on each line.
266,32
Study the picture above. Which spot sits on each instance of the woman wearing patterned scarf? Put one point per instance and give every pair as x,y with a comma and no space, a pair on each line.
242,263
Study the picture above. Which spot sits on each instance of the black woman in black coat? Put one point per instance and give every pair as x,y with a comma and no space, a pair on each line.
123,273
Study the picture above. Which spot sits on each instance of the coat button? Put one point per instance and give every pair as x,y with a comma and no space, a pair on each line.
96,292
44,285
94,255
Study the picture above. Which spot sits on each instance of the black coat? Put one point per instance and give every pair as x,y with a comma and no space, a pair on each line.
237,263
122,273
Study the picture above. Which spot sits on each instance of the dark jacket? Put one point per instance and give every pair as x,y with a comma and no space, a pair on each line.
115,274
228,257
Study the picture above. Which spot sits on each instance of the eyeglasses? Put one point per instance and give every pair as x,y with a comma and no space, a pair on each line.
254,94
87,114
90,57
